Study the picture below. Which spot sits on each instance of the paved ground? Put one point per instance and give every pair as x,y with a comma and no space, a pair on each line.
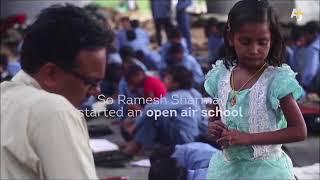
134,173
302,154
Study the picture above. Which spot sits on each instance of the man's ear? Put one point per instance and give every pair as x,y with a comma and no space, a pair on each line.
50,75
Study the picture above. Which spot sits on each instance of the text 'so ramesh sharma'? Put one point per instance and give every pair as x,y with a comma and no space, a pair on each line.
175,99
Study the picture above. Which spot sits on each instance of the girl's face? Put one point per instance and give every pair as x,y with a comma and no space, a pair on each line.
251,43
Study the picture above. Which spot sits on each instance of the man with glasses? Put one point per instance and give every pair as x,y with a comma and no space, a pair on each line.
43,135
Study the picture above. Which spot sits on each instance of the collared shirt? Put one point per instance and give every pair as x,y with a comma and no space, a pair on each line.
43,136
308,63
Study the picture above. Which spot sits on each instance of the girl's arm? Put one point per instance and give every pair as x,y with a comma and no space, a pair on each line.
296,129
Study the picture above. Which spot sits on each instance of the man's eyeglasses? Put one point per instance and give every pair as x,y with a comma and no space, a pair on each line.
94,83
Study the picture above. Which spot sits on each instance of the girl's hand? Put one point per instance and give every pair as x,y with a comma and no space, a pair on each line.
215,128
234,137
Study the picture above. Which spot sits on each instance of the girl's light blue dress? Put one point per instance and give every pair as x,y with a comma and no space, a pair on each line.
258,111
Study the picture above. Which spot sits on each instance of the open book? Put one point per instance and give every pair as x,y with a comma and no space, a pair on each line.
102,145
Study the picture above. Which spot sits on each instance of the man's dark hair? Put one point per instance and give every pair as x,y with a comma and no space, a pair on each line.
181,75
96,12
57,36
312,27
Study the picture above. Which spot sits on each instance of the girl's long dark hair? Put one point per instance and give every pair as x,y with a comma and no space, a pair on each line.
254,11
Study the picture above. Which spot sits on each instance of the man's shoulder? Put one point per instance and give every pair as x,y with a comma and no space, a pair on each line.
54,101
28,96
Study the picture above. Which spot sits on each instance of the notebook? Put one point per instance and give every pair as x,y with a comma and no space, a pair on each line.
102,145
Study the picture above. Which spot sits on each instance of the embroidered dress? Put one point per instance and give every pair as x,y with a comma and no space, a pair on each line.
260,112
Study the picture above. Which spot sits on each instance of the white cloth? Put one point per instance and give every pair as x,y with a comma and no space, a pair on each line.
307,172
43,136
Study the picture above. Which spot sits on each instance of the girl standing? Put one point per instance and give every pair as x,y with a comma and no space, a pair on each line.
253,79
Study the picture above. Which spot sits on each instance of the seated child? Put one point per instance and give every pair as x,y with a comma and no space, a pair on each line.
151,86
174,36
176,55
176,127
